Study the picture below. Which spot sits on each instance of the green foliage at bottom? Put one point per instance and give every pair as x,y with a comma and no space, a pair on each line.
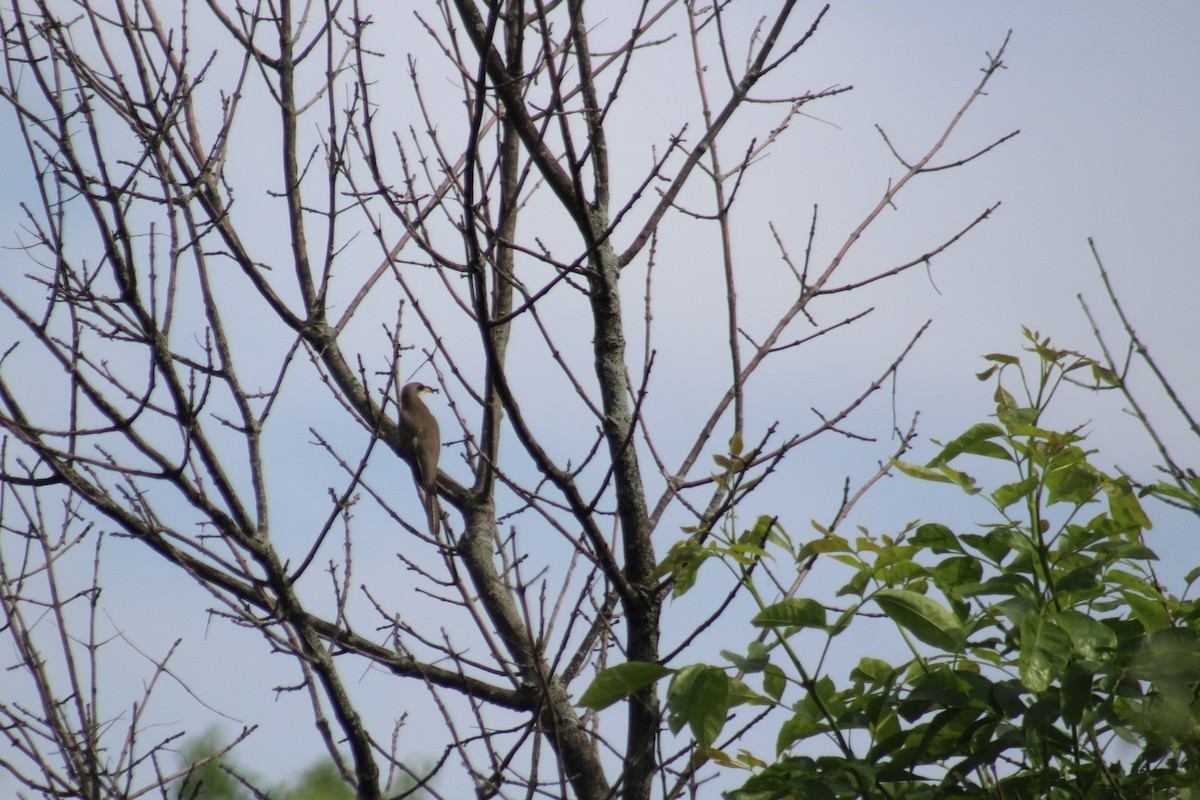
219,778
1044,657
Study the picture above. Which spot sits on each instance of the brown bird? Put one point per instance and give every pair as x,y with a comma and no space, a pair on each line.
421,442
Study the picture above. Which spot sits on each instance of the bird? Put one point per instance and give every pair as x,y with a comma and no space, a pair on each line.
421,444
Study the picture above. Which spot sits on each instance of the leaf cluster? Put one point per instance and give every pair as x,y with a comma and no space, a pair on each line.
1044,657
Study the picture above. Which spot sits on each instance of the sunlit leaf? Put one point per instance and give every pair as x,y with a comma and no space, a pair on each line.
919,471
1045,650
923,617
1149,612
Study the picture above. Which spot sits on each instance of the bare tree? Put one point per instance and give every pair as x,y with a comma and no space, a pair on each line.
256,220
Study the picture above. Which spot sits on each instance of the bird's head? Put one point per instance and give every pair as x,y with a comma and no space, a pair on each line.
413,391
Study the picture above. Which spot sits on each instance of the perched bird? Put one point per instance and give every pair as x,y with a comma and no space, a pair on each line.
421,442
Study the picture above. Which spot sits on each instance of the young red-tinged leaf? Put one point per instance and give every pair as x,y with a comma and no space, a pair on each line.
617,683
1002,358
1004,400
923,617
1105,375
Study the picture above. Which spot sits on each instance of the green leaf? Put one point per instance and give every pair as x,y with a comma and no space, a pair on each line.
1004,400
957,571
1091,638
1169,656
1010,585
975,441
699,696
1010,493
923,617
1126,551
1002,358
990,545
872,670
617,683
1083,579
827,544
937,538
1149,612
843,621
755,660
682,562
1076,692
959,478
740,693
1072,483
1105,375
735,444
857,583
1123,504
918,471
794,612
1045,650
795,729
1018,421
774,681
1175,493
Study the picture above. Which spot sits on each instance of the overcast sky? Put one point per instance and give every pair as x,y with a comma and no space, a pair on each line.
1107,100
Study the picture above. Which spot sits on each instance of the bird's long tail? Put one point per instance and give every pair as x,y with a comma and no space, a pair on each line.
433,511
